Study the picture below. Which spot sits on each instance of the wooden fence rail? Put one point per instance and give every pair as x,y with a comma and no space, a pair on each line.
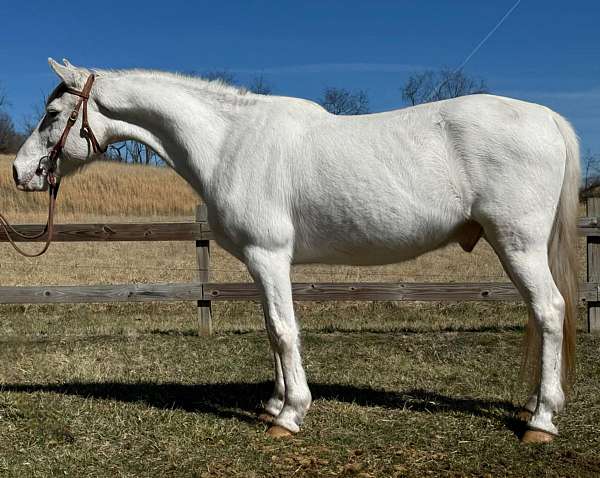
303,291
204,292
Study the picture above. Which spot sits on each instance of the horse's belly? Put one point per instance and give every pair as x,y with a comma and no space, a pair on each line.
375,247
355,256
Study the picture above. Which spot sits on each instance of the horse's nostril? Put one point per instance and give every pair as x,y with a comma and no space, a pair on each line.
15,175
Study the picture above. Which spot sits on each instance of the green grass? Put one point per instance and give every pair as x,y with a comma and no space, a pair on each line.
399,390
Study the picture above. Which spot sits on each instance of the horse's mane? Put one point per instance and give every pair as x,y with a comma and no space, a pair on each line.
188,80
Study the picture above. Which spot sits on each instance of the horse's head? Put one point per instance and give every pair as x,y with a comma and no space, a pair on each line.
51,149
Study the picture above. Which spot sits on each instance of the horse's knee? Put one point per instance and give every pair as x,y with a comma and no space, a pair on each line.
283,333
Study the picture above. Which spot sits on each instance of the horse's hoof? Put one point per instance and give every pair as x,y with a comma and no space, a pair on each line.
277,431
536,436
524,415
265,417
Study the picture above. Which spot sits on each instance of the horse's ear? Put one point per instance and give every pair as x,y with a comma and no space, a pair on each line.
70,75
68,64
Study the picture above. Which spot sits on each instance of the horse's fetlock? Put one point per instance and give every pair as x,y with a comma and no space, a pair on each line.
274,406
542,420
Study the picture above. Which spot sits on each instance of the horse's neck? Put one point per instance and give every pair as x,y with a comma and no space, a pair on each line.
185,127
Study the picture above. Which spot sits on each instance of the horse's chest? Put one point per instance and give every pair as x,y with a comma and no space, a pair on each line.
226,238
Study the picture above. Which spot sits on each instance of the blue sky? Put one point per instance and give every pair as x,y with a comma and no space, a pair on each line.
546,51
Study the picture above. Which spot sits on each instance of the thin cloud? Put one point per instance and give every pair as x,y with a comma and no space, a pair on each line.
593,94
589,94
333,67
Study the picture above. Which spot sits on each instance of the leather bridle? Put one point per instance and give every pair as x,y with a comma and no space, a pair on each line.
48,168
85,132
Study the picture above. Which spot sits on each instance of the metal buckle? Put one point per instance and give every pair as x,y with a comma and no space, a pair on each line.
73,116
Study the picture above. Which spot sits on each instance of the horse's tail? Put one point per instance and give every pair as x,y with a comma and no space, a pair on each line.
562,256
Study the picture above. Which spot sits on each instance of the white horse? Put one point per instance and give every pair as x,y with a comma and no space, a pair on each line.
285,182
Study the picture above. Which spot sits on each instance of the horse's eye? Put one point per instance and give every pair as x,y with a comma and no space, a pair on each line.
52,113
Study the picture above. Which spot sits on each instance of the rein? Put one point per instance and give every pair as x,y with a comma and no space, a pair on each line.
48,169
48,228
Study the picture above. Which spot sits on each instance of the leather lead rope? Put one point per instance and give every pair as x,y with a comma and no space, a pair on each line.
48,229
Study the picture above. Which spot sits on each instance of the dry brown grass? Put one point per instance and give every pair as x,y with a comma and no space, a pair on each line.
105,189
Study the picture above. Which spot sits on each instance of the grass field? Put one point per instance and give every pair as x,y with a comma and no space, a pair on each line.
129,389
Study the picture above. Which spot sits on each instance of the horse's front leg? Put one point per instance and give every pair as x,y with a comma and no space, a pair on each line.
271,271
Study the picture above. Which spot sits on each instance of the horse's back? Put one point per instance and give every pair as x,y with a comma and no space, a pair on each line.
387,187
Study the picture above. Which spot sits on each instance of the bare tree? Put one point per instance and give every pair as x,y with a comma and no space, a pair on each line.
3,99
260,86
134,153
224,76
590,162
431,85
38,110
10,139
340,101
591,174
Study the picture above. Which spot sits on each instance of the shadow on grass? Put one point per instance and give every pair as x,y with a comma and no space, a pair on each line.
240,400
329,329
419,329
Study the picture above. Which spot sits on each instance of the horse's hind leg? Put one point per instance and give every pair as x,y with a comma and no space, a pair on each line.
526,262
528,409
535,342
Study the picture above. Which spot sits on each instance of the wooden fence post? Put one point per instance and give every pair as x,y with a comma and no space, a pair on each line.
203,257
593,265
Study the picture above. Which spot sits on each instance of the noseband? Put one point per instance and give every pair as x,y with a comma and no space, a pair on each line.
48,168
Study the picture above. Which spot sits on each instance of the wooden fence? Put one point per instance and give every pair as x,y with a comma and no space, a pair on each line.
205,292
